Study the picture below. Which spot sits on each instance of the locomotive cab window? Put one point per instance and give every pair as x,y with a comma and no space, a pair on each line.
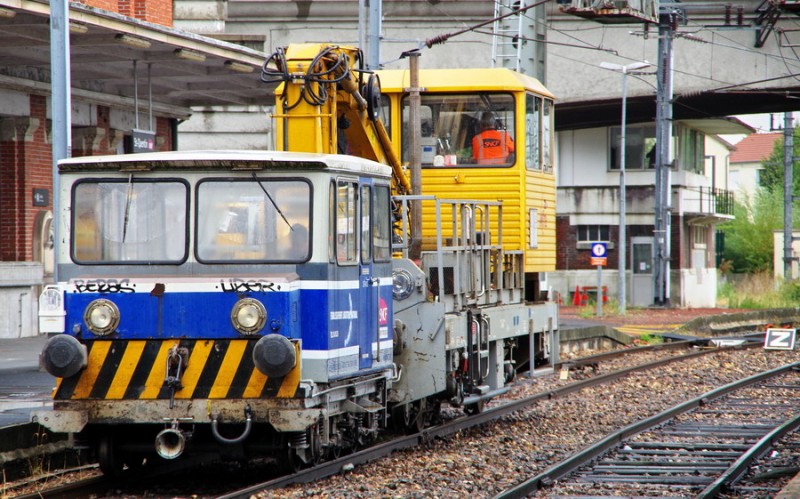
367,205
533,117
265,220
464,130
346,232
366,214
382,229
129,221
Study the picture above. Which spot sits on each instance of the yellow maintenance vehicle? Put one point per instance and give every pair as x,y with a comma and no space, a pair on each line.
472,155
328,104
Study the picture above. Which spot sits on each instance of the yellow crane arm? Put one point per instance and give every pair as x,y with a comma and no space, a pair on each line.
325,106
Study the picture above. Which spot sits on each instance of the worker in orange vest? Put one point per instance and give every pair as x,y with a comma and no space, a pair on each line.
491,146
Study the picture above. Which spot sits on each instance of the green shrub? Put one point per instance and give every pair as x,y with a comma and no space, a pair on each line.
651,339
758,291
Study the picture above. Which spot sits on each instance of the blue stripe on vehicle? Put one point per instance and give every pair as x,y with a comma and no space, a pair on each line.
331,319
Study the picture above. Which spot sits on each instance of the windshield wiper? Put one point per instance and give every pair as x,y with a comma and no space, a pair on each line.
271,201
127,207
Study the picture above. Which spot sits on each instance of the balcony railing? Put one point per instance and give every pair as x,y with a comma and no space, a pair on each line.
710,201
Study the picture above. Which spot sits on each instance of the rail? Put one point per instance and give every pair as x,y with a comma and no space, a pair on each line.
452,427
594,451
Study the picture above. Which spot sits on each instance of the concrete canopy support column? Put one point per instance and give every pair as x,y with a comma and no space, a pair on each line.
86,141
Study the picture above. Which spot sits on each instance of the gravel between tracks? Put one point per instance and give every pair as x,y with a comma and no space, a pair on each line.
484,461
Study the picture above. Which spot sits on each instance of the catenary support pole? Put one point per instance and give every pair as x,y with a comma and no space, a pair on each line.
788,193
60,103
661,234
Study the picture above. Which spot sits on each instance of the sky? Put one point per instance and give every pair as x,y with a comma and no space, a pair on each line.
763,123
766,122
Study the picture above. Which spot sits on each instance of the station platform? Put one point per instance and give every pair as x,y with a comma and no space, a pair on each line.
20,354
23,387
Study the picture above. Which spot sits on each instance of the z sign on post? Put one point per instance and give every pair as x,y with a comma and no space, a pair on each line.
779,339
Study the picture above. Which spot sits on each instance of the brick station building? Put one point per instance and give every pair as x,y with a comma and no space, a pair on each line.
132,73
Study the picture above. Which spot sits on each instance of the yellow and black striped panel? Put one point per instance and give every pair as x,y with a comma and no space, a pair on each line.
216,369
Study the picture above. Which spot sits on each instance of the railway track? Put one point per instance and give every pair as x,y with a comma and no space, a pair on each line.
448,430
698,448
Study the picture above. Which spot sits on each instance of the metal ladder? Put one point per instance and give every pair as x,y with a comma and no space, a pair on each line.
507,36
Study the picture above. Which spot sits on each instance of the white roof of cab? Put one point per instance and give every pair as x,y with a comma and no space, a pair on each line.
247,160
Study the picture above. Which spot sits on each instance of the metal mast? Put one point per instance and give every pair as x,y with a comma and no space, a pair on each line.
61,98
369,31
516,41
667,22
788,194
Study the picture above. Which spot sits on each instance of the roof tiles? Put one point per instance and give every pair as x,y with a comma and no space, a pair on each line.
755,147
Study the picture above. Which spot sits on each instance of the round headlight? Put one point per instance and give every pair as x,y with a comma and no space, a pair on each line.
248,316
101,317
403,284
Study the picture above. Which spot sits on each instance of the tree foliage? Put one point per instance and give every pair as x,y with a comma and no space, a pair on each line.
771,176
749,242
749,237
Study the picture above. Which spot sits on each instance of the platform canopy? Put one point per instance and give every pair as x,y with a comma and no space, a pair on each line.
178,69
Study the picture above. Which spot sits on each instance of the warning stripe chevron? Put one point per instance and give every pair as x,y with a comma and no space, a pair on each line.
215,369
639,329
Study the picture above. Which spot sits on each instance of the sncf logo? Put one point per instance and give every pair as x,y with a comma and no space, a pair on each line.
383,312
491,142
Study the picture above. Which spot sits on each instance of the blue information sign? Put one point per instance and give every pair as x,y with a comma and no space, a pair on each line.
599,254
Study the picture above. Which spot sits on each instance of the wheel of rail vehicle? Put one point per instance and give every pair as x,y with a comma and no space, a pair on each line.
475,408
316,444
113,461
410,417
510,373
290,462
107,456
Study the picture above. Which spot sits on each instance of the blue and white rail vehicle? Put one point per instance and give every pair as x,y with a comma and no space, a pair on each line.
248,303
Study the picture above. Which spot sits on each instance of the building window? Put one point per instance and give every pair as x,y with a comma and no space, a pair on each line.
640,142
699,244
698,236
691,150
592,233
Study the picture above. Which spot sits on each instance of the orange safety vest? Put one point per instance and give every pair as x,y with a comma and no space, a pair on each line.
492,147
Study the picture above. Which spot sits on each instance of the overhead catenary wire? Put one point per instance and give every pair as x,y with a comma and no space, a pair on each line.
476,28
733,45
436,40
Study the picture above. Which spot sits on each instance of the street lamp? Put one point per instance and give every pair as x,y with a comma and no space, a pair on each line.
625,70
